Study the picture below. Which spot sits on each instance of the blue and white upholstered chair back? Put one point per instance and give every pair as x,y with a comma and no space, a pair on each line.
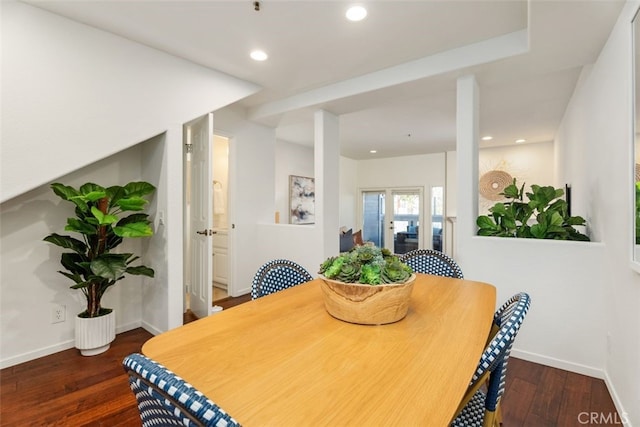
277,275
479,407
165,399
428,261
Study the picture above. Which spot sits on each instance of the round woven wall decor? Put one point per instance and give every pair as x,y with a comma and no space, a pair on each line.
637,172
493,183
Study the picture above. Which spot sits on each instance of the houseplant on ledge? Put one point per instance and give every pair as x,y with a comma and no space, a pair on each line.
91,264
545,208
366,285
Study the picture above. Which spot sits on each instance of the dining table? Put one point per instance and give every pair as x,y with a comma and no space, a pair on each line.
283,360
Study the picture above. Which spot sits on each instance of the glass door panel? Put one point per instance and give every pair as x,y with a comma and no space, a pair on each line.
373,209
406,221
437,216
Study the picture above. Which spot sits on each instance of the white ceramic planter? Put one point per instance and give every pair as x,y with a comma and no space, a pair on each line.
94,335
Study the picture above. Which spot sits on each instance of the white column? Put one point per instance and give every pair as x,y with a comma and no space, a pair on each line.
467,125
327,176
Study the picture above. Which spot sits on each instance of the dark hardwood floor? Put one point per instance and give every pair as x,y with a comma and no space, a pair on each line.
67,389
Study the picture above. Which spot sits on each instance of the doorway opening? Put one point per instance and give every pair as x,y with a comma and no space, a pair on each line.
220,241
207,241
391,218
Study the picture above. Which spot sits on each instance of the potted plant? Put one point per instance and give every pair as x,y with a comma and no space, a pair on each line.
366,285
91,263
544,216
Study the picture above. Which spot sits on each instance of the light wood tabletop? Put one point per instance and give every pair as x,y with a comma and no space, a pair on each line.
282,360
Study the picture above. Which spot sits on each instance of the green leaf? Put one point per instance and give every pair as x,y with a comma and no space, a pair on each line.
66,242
114,194
69,194
75,277
108,267
90,187
139,189
538,231
94,196
132,203
103,219
484,222
135,229
556,219
576,220
75,263
78,226
137,217
498,208
141,271
509,223
556,229
511,191
65,192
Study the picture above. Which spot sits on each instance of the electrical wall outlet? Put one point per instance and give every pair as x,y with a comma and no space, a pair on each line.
58,313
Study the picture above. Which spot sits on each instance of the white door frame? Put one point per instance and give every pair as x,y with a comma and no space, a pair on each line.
230,209
198,274
425,211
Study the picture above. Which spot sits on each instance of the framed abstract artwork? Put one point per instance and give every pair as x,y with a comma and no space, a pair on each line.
302,200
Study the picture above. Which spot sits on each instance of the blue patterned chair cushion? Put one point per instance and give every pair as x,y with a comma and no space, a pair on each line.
473,413
428,261
165,399
277,275
493,362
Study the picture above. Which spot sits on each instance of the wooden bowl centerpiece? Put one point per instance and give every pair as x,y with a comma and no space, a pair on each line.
367,285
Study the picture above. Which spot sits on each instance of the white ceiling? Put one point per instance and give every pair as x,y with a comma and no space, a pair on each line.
392,77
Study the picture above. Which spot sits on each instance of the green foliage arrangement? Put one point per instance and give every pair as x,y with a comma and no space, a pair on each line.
367,265
511,219
91,265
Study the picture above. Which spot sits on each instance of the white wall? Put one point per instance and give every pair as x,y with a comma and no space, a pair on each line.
527,163
564,279
251,191
348,192
584,315
29,281
72,94
290,159
597,128
423,171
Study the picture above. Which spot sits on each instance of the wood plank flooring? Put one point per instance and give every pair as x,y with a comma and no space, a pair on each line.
67,389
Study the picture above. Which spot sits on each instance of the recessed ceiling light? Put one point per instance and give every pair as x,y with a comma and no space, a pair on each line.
356,13
373,151
518,141
487,138
258,55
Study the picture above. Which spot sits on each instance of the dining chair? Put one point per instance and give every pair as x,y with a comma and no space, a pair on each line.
164,399
277,275
481,407
429,261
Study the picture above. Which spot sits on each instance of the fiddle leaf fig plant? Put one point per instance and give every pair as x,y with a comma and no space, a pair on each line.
99,220
544,216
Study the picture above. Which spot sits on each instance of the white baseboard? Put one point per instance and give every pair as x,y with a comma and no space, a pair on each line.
558,363
616,401
151,329
34,354
55,348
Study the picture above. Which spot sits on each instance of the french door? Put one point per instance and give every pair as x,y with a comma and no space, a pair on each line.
391,218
